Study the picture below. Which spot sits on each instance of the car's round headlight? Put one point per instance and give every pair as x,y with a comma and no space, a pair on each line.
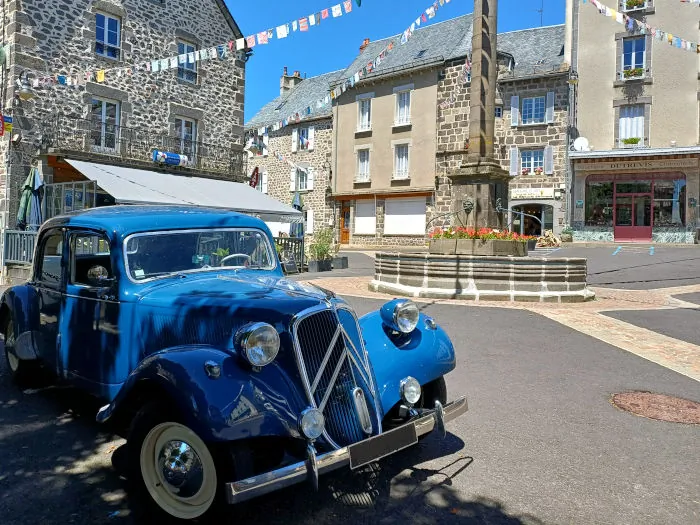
259,343
406,316
410,390
312,423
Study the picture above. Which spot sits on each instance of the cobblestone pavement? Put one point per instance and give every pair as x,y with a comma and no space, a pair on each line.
587,318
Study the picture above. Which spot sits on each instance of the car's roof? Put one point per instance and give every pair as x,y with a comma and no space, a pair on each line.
124,220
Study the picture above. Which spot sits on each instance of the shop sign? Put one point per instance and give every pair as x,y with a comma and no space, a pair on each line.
621,165
532,193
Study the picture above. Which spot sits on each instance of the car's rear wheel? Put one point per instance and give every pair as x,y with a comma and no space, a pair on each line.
22,372
171,470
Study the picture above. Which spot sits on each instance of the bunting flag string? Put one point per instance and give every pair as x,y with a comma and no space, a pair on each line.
633,25
690,1
220,51
351,80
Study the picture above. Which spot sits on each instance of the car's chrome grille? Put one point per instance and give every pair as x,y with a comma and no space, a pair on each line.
333,363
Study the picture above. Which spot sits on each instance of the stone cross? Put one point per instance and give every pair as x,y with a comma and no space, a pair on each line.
480,184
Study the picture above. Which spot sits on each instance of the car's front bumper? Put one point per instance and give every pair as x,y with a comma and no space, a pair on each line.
255,486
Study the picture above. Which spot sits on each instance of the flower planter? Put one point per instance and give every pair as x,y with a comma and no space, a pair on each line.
340,263
320,266
491,247
566,237
442,246
531,244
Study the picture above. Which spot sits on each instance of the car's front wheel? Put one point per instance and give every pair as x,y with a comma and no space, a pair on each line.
172,472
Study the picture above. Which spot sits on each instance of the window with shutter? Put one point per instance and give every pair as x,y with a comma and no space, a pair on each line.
514,161
514,110
548,160
310,136
534,110
263,185
549,113
266,142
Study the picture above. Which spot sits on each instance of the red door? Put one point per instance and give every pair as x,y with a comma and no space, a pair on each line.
633,217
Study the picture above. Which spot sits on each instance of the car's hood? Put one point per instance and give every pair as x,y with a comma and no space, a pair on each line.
229,289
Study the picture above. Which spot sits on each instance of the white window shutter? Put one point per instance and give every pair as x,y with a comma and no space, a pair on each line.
309,221
514,160
311,138
264,182
514,110
549,112
266,143
310,179
295,139
293,179
548,160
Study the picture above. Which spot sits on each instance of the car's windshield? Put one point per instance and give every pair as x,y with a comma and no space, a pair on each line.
158,254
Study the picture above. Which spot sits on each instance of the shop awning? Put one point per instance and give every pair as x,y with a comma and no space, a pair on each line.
135,186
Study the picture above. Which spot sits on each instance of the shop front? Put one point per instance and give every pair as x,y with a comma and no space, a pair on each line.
636,201
534,210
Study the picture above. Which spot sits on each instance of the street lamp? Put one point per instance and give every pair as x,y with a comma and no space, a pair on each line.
25,89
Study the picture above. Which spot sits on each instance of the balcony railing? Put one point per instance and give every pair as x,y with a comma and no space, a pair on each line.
72,135
19,246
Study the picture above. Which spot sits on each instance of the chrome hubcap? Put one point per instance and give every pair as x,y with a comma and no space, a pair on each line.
181,468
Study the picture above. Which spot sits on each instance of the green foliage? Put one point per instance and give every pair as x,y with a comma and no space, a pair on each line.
323,247
221,252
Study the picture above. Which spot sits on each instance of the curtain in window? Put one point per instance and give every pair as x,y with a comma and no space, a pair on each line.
632,122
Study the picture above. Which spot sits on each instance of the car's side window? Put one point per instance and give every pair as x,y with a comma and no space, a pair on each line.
90,257
50,269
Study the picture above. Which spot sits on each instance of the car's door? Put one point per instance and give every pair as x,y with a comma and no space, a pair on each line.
90,314
49,281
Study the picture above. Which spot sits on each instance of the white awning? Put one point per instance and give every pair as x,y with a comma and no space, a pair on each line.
135,186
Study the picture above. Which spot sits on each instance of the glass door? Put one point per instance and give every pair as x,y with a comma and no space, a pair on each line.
633,219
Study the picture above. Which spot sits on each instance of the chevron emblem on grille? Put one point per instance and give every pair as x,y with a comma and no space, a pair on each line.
349,352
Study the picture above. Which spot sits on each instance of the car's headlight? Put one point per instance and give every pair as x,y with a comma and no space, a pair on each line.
259,343
312,423
410,390
400,315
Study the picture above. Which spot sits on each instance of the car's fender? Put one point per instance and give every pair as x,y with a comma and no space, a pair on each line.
426,354
241,403
20,302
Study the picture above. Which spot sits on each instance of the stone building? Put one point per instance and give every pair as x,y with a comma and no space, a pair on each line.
296,159
636,171
397,132
96,92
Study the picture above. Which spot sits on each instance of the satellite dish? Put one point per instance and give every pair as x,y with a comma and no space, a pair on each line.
581,144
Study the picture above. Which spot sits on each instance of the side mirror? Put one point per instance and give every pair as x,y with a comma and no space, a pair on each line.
99,276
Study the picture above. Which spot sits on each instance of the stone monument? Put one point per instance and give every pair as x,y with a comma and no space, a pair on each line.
480,184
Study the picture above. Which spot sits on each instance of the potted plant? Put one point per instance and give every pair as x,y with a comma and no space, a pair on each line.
631,141
525,171
567,234
539,171
320,251
340,262
634,72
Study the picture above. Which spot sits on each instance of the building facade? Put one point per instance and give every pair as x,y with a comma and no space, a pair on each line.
295,160
401,129
95,88
635,166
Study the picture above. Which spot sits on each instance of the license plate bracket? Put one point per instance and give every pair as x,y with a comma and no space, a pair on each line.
379,447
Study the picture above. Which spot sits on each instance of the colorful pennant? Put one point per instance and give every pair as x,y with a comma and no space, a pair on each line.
351,80
643,28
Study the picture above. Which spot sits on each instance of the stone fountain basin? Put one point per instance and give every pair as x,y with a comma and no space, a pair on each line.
488,278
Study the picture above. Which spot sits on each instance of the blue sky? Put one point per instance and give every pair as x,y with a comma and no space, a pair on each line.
335,43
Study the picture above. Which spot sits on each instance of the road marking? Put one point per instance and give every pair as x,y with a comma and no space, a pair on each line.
619,248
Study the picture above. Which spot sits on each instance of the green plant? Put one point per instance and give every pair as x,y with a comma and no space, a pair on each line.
221,252
631,140
632,4
568,230
322,248
634,72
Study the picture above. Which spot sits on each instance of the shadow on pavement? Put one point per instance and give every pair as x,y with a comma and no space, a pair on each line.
57,468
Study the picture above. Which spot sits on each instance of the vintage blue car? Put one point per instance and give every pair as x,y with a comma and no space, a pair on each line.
229,380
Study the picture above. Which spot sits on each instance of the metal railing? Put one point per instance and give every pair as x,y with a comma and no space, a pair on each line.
291,248
19,247
103,138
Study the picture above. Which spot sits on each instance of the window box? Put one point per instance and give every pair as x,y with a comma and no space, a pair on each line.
633,5
633,73
632,143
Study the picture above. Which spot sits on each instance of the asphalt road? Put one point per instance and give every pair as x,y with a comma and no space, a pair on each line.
540,444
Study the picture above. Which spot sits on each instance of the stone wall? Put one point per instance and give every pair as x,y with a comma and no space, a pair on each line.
453,132
278,170
58,38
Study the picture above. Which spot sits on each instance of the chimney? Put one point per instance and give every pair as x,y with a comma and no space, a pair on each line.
287,82
364,45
